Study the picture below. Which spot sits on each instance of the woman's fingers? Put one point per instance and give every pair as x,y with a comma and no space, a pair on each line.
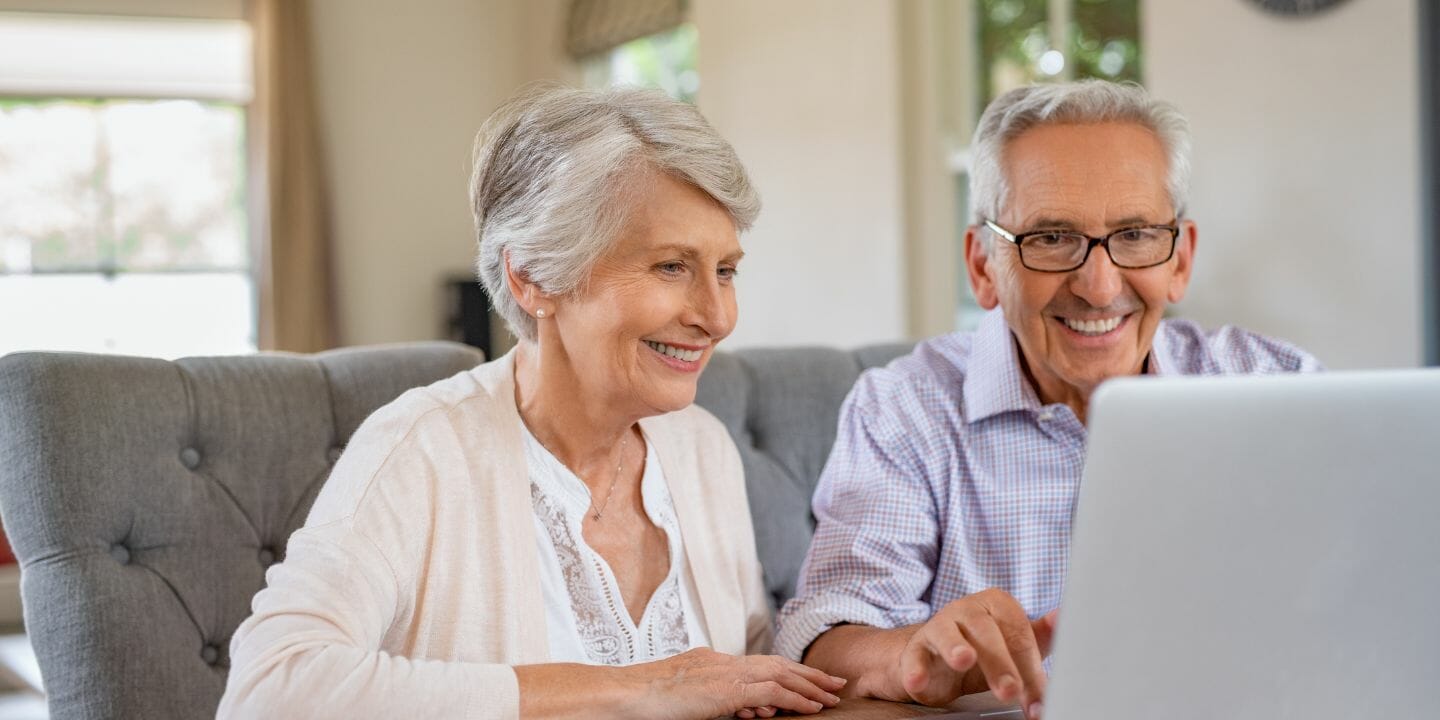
819,677
802,685
748,686
793,676
772,694
766,711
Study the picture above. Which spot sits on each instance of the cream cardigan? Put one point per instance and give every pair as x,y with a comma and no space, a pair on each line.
413,587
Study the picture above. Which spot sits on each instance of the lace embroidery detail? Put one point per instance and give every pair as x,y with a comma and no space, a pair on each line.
606,631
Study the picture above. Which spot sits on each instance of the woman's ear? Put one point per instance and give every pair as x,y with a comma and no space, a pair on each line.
526,292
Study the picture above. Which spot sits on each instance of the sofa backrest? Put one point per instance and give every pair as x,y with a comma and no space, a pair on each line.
145,499
781,406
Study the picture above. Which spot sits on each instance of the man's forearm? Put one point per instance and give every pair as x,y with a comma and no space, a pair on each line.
868,657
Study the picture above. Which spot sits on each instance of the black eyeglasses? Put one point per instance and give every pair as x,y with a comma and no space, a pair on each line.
1132,248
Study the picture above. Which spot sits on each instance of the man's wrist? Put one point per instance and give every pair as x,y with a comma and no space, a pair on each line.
886,682
868,657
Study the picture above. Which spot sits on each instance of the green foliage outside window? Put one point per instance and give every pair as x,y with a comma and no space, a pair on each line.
1105,39
1103,42
119,185
665,60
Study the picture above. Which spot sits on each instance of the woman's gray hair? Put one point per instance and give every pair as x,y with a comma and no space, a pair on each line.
557,170
1085,101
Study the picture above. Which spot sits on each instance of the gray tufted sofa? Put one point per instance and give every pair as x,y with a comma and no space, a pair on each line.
145,498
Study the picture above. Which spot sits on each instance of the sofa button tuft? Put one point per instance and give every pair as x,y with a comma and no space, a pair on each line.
120,553
190,458
210,654
267,557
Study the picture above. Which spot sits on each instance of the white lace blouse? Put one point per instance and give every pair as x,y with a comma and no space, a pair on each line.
586,617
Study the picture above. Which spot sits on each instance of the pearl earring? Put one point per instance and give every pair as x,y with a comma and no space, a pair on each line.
540,313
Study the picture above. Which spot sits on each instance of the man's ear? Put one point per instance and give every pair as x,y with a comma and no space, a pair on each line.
525,291
1184,260
977,266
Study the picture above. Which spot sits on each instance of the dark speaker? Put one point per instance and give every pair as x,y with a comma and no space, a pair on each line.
470,315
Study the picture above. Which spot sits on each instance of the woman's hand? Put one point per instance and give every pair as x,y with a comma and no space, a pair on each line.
703,683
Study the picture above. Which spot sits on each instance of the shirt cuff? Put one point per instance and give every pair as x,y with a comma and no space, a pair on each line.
804,619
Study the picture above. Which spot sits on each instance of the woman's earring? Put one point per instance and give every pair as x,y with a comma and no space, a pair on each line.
540,312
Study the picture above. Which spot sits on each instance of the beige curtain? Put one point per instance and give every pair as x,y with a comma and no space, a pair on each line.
594,26
289,208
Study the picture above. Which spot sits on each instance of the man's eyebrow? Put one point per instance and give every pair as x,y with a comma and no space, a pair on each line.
1045,222
1133,221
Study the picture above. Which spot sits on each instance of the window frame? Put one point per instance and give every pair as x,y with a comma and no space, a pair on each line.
239,95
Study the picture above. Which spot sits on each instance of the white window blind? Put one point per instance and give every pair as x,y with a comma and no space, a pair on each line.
102,56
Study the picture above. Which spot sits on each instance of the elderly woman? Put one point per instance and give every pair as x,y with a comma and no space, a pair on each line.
559,532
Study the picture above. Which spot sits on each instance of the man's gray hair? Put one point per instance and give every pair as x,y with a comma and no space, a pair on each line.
557,170
1082,102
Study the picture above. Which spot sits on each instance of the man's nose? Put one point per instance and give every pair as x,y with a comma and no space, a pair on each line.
1097,282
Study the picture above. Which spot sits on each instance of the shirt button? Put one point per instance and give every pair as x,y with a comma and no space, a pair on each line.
1047,415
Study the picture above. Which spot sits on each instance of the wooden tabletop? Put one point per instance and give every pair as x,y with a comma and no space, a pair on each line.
867,709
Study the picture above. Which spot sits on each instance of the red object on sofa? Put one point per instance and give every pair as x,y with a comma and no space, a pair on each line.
7,556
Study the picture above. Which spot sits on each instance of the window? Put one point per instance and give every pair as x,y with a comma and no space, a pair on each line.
665,60
1028,41
122,186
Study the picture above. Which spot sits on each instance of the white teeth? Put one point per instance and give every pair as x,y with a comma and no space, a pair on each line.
677,353
1094,327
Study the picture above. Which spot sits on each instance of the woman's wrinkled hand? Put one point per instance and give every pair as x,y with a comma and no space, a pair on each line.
704,684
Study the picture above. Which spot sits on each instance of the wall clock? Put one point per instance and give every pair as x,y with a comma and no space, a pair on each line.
1295,7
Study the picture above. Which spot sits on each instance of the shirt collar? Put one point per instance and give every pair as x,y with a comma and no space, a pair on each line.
993,381
1161,360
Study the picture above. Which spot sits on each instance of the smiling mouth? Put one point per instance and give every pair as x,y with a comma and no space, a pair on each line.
1093,328
675,352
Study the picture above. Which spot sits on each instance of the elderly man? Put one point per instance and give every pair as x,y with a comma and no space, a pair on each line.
944,511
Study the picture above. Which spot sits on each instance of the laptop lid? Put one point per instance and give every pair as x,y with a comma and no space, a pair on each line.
1255,547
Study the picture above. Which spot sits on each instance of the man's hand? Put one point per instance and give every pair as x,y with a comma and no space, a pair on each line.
979,642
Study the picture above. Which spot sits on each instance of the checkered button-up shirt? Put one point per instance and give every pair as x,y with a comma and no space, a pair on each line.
948,477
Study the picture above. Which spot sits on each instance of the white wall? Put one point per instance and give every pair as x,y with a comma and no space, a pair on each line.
1306,185
808,93
402,87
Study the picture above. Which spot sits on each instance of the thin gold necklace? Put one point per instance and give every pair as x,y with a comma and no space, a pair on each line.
611,492
619,468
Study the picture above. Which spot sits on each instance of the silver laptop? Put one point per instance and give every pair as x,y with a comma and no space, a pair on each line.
1256,548
1253,548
